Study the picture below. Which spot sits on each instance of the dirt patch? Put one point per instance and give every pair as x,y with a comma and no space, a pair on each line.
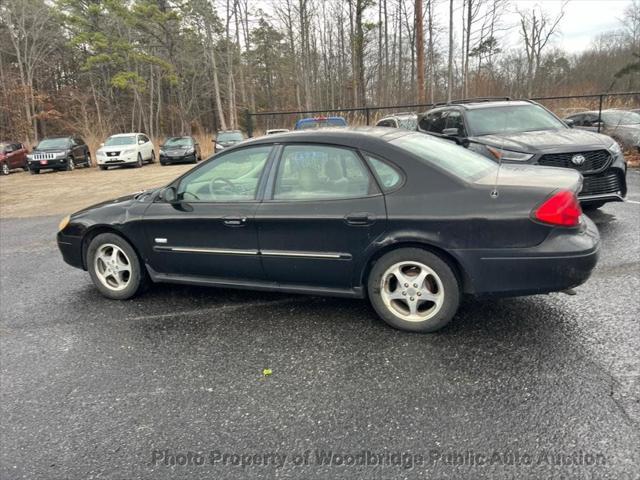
60,193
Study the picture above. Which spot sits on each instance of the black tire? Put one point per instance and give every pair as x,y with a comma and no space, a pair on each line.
153,157
87,160
102,167
592,206
450,290
71,164
34,171
139,162
25,168
137,279
4,168
164,164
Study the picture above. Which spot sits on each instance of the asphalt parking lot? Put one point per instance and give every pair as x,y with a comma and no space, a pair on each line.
539,387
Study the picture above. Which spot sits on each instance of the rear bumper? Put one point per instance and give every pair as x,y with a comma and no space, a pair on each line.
564,260
71,249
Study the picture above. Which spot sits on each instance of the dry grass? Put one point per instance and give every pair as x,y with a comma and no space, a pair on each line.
59,193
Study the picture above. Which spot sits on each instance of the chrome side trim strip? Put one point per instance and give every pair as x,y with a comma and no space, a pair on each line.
220,251
284,253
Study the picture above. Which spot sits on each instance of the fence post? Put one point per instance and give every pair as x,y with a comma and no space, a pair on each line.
367,112
248,122
600,113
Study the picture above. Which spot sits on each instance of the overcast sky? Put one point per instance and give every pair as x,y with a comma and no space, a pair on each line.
583,20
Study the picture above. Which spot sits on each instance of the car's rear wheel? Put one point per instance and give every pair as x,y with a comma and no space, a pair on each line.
413,289
114,266
153,157
5,169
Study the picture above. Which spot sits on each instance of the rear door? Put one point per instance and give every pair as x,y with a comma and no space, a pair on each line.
321,211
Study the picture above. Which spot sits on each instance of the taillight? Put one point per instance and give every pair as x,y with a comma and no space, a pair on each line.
562,209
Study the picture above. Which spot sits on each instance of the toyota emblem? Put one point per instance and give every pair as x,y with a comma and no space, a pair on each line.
578,160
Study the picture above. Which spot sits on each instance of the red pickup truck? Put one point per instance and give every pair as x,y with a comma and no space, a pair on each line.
12,155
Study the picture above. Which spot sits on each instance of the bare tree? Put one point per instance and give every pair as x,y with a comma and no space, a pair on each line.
419,29
28,23
450,63
536,29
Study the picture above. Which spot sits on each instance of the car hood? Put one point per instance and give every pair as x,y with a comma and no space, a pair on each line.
50,150
543,141
121,203
553,178
181,150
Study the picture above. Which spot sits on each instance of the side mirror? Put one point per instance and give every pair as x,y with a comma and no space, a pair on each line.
570,123
170,195
140,142
102,144
451,132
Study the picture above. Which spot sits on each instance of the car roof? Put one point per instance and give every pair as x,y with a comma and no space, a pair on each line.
359,137
315,119
229,131
399,115
57,138
485,104
126,134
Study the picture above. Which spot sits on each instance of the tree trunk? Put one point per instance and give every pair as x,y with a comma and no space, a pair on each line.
419,29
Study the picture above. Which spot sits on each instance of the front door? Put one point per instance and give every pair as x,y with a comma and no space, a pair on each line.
210,231
323,208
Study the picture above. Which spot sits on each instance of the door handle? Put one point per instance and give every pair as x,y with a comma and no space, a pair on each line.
235,221
360,218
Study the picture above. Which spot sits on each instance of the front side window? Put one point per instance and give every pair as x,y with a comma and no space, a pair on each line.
232,177
454,120
437,122
310,172
389,177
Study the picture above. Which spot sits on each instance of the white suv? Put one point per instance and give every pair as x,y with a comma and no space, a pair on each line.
125,149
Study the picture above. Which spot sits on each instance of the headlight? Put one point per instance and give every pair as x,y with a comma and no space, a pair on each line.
615,148
189,151
218,146
162,152
100,153
60,154
509,155
29,156
127,152
63,223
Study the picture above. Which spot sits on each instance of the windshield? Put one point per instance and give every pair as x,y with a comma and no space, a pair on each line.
621,118
114,141
519,118
456,160
229,137
49,143
322,123
178,142
408,123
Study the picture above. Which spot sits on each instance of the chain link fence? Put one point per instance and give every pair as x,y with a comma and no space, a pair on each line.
257,123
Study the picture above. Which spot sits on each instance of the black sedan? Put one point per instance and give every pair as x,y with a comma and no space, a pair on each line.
180,150
409,221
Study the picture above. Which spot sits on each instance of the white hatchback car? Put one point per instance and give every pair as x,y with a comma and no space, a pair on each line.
125,149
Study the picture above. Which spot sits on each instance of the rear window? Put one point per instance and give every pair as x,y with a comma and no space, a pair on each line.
321,123
445,154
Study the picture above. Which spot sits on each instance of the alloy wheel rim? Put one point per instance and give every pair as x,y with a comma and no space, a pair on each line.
72,165
412,291
5,169
112,267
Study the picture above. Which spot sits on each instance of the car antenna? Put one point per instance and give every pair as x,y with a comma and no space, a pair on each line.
494,193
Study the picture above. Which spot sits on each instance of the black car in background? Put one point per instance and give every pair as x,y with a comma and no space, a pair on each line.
59,153
524,132
226,138
180,150
406,220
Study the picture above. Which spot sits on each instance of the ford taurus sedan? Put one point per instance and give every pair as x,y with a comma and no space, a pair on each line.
409,221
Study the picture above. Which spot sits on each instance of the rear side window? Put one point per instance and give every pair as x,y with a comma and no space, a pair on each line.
388,176
446,155
317,172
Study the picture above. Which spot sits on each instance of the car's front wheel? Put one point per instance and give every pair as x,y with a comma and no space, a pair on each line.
71,165
414,289
139,161
114,266
5,169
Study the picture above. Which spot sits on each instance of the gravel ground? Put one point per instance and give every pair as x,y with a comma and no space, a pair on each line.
538,387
